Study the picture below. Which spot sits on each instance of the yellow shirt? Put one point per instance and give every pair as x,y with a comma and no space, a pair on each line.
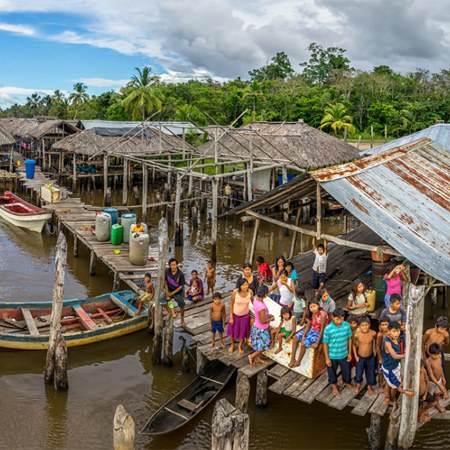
137,229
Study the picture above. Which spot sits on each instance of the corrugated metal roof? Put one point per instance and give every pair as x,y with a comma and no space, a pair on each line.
403,194
169,128
439,133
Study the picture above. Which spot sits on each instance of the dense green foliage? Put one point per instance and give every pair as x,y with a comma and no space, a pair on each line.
326,92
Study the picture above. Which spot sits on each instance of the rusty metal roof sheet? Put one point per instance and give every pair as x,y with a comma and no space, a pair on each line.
403,194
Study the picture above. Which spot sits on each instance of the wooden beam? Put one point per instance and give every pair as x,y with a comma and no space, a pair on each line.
125,182
105,177
144,192
294,237
255,236
318,212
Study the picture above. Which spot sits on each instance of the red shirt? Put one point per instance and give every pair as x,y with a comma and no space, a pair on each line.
264,270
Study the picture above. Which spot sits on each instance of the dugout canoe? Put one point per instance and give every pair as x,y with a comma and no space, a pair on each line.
26,325
193,399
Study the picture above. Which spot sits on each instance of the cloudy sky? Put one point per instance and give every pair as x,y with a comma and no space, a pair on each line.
51,44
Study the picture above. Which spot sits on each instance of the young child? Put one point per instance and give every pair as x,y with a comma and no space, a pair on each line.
326,302
337,346
395,312
364,349
147,296
292,273
437,335
436,374
426,400
286,288
357,299
320,265
210,277
264,270
217,316
393,278
298,305
195,291
383,325
391,364
138,227
286,329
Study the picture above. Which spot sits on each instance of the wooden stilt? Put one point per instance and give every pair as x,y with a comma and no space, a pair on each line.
75,245
123,430
125,182
261,389
144,191
294,236
74,178
159,290
177,218
202,362
105,178
214,226
61,359
345,224
168,343
394,425
318,212
242,392
194,217
92,261
184,356
411,374
58,295
374,432
116,282
137,195
255,236
230,427
108,196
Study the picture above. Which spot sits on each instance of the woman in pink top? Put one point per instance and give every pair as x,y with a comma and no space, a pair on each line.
260,335
393,278
239,322
311,334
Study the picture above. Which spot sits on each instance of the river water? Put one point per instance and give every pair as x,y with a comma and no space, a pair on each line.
101,376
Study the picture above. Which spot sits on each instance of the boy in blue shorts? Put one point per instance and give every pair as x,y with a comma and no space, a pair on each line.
337,346
217,316
319,265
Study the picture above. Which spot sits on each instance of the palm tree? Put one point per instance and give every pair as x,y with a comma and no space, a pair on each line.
34,101
337,119
141,97
79,96
253,91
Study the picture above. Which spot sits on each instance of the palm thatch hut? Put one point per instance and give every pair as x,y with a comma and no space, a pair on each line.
6,138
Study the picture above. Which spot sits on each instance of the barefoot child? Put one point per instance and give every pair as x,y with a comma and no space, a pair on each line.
260,335
195,291
438,335
299,305
436,375
210,277
364,349
217,319
147,296
286,329
391,364
337,346
426,400
383,324
320,265
326,302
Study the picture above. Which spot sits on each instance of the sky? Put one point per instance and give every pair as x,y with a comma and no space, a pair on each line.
52,44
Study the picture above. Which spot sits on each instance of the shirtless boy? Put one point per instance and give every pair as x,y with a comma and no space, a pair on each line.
217,319
426,400
437,335
364,349
436,375
210,277
383,324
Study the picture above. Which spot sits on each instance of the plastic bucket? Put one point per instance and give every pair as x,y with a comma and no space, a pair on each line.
113,213
116,234
30,165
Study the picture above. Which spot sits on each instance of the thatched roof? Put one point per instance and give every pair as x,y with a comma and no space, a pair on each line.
88,143
285,142
36,129
5,137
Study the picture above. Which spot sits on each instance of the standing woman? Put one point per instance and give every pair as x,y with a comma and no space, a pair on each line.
357,300
251,279
280,265
239,321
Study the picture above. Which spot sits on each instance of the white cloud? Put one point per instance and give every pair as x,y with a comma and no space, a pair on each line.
17,29
101,82
13,94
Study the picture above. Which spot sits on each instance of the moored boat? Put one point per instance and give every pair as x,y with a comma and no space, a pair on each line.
22,214
186,405
26,325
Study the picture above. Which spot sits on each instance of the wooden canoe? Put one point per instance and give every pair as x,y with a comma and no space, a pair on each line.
25,325
186,405
22,214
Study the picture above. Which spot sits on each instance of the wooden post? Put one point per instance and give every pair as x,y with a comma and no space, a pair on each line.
194,217
261,389
58,295
374,432
284,177
123,430
242,392
144,192
345,224
75,245
61,380
318,212
159,290
255,236
411,374
92,260
125,182
214,220
294,236
202,362
44,163
371,136
394,424
184,356
116,282
137,195
177,219
166,195
74,179
105,178
168,342
230,427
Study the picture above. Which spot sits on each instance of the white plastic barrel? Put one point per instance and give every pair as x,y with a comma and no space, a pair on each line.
126,220
103,227
139,243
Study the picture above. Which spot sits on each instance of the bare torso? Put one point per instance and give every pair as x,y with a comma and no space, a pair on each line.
217,311
365,342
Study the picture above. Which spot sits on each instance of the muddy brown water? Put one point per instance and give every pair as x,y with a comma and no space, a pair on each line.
34,416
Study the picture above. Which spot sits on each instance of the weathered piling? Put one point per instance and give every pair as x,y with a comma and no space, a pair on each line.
108,194
159,290
177,215
230,427
168,342
137,195
194,217
61,359
242,392
374,432
262,381
55,319
184,355
105,179
123,430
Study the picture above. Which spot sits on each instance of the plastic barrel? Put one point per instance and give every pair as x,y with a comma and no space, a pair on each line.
116,234
30,165
131,227
378,283
139,243
127,220
371,299
103,227
113,213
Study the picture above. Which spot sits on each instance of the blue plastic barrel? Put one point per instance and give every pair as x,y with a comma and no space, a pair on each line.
30,165
113,213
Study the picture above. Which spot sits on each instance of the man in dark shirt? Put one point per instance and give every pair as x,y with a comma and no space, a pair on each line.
174,289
